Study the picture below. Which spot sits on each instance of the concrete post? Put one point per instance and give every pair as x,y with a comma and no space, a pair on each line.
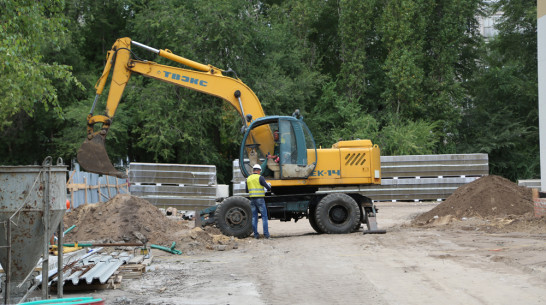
541,44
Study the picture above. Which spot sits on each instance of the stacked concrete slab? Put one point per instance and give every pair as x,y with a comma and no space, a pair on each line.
411,177
183,186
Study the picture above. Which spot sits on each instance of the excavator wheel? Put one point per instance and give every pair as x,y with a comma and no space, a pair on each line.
234,217
361,219
313,219
337,213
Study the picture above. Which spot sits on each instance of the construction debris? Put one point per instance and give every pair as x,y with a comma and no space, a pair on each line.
97,269
132,271
171,211
129,219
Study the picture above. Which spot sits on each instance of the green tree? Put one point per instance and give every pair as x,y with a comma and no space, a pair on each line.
28,31
172,124
411,75
335,118
34,78
403,25
501,117
360,52
94,27
409,60
402,137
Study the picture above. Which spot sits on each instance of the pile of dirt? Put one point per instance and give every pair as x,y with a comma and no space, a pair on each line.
127,218
488,197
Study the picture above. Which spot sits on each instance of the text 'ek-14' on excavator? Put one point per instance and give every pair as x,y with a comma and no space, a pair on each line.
323,185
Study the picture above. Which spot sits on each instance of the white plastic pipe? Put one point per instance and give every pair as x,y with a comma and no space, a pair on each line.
541,45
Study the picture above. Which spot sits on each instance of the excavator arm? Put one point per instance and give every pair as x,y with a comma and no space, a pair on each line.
207,79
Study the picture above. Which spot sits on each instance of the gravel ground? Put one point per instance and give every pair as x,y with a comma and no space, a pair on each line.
458,262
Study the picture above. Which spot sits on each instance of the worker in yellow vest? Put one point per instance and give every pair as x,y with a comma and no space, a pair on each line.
255,185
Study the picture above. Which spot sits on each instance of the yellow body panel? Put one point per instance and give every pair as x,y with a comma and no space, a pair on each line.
208,80
346,163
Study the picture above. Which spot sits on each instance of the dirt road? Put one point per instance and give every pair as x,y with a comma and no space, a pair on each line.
408,265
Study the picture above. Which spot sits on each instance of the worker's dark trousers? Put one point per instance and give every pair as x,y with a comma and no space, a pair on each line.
258,204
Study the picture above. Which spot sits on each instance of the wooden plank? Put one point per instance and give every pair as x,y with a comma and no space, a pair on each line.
108,187
148,261
71,177
135,260
98,190
81,186
133,267
132,271
85,182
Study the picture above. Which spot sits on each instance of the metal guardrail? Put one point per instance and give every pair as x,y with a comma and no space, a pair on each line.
411,177
183,186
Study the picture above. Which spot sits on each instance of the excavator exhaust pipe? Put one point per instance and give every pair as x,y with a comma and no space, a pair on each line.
93,158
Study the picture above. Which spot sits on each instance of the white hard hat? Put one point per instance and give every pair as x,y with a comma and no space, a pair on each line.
257,166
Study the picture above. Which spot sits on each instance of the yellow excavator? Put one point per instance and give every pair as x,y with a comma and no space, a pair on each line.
323,185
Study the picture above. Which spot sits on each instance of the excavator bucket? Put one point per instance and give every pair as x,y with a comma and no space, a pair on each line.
93,158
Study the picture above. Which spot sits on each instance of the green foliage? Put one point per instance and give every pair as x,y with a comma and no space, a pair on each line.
414,76
358,34
501,117
408,138
28,30
179,125
409,57
402,25
334,118
96,25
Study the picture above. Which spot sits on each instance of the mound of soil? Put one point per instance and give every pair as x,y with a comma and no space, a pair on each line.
127,218
487,197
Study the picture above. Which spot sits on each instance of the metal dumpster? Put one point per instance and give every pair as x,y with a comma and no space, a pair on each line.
27,194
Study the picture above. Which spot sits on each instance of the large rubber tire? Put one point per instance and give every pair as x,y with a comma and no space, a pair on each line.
234,217
337,213
360,220
313,219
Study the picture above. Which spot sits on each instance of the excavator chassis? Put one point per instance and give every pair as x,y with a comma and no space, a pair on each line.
327,213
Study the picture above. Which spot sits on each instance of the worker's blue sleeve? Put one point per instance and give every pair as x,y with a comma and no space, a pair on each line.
264,183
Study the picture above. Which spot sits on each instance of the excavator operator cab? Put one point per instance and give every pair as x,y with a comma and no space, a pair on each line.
290,155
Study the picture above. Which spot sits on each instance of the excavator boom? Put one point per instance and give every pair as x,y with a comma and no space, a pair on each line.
208,79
